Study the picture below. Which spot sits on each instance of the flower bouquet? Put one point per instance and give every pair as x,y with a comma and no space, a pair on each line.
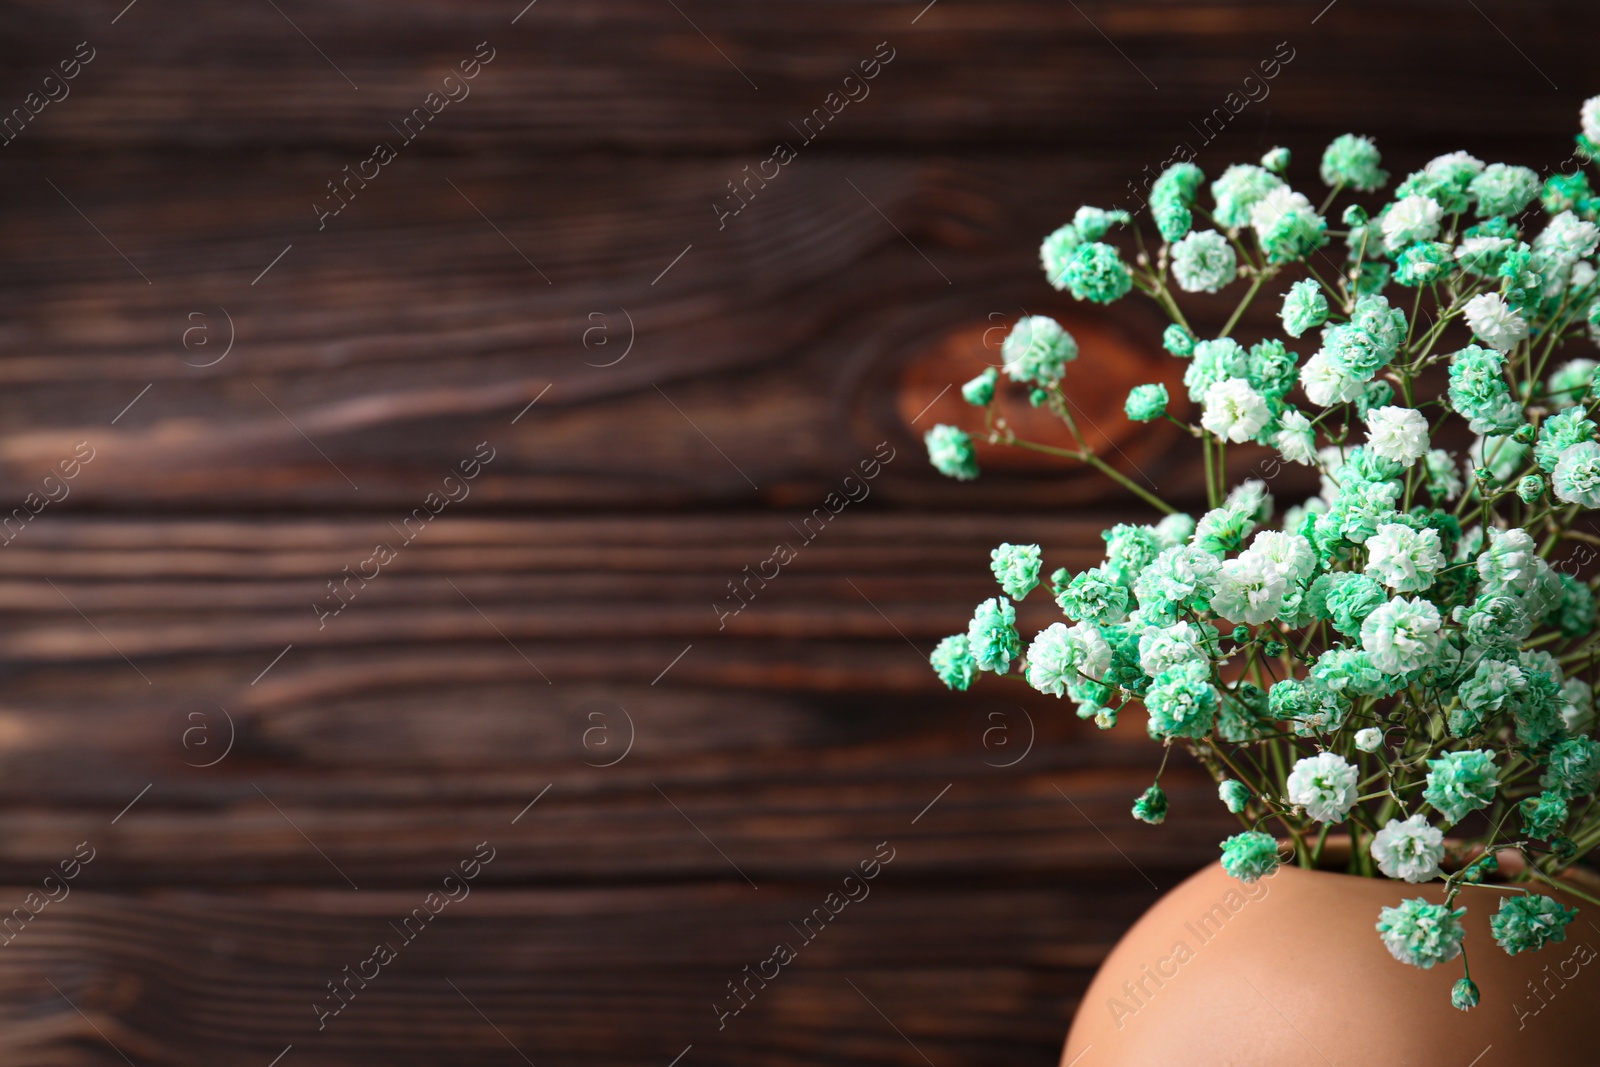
1406,656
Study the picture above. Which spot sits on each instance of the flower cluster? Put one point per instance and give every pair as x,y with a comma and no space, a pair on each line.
1408,654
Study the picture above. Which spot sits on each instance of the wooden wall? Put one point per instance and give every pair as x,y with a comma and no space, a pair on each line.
266,398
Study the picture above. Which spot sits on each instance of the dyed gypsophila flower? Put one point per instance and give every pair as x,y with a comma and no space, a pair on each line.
1423,263
1151,807
1404,559
1352,161
1560,432
1234,794
1146,402
1162,648
979,392
1203,262
1096,273
1530,489
992,635
1572,381
1573,767
1409,850
1325,785
1250,856
1178,341
1504,190
1420,933
1060,655
1092,223
1479,393
1444,479
1182,702
1543,816
1055,254
1174,530
1529,923
1215,361
1412,219
1460,783
1276,160
1287,226
1180,576
1347,598
1589,117
1095,595
1494,322
1402,636
1304,307
1172,216
1464,994
952,661
1238,191
1577,712
950,451
1233,410
1507,563
1038,350
1296,438
1369,739
1248,590
1016,568
1494,621
1397,434
1577,475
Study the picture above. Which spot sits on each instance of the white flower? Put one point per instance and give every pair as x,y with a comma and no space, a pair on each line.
1203,262
1577,709
1402,635
1589,116
1164,647
1248,589
1325,385
1175,529
1567,238
1234,410
1577,475
1289,553
1508,563
1494,321
1410,850
1416,218
1296,438
1454,163
1094,654
1059,656
1397,434
1369,739
1404,559
1325,785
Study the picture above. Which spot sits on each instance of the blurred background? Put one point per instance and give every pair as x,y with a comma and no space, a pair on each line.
403,409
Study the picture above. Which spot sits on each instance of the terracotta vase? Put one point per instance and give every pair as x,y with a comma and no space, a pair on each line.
1290,970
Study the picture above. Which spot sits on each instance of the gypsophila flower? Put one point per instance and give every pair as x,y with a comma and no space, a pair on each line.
1397,434
1038,350
1016,568
1092,223
1543,816
1529,923
1478,391
1494,322
1055,254
1095,595
1304,308
1464,994
1444,479
1420,933
1203,262
1212,362
992,635
1052,660
1369,739
1504,190
1178,341
1404,559
1250,856
979,392
1248,590
1560,432
1173,217
1276,160
1352,161
1423,263
1573,767
1096,273
1402,635
950,452
1530,489
1589,117
1234,794
1234,410
1286,225
1410,850
1460,783
1412,219
952,661
1325,785
1146,402
1151,807
1572,381
1182,702
1238,191
1577,475
1296,438
1163,647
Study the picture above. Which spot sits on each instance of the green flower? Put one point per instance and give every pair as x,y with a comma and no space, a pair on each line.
1055,254
1016,568
1250,856
1423,263
1543,816
1173,217
1287,226
992,636
1178,341
1572,381
1238,191
1092,223
1181,180
1146,402
1479,393
1446,180
1203,262
1097,595
952,661
1566,192
1271,369
950,452
1577,475
1420,933
1304,308
1530,489
1460,783
1574,611
1059,659
1234,794
1350,597
1504,190
1038,350
1214,362
980,391
1181,701
1096,273
1151,807
1464,994
1276,160
1573,768
1352,161
1529,923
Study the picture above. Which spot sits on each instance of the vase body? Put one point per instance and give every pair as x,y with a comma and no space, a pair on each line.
1291,970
